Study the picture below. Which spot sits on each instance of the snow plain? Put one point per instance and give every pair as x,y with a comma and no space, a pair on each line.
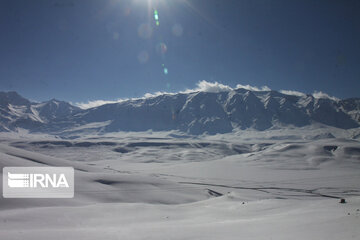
276,184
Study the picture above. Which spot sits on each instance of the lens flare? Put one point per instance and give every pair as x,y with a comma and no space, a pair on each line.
161,48
156,17
116,35
177,30
145,31
143,56
166,71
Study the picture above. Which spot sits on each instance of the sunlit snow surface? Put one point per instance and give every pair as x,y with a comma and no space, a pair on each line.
278,184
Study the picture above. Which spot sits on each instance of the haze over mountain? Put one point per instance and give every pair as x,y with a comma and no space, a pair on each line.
192,112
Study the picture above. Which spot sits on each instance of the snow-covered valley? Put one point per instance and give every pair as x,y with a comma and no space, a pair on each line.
275,184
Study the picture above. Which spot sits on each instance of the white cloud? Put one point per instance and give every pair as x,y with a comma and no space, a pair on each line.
319,94
316,94
252,88
291,92
204,86
96,103
150,95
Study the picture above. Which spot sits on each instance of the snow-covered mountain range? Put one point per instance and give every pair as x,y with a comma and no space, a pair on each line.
195,113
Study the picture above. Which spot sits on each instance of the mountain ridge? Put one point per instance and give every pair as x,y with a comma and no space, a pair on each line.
195,112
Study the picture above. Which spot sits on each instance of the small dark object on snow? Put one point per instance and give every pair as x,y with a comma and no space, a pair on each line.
243,202
342,200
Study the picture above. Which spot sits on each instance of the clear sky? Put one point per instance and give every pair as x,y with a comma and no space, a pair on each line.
80,50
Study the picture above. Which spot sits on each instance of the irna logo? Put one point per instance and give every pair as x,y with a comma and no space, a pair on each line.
38,182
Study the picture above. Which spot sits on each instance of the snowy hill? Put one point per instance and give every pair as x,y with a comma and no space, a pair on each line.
18,112
54,109
195,113
352,107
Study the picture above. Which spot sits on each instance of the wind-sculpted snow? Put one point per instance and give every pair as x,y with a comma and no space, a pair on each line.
194,113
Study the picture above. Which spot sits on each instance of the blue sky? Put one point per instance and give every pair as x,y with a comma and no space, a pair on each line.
109,49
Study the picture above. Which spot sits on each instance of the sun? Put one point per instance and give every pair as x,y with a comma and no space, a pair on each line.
154,6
